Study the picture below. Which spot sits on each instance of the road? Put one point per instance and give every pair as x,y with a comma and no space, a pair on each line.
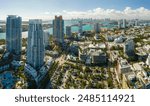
61,60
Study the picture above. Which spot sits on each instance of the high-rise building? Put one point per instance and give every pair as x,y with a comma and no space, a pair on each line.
97,28
124,23
129,47
68,31
80,27
136,22
119,24
58,29
46,39
14,35
35,47
131,23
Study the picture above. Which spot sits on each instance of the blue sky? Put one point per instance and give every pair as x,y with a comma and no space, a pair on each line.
37,8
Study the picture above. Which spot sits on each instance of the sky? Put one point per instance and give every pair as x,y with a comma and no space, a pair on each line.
99,9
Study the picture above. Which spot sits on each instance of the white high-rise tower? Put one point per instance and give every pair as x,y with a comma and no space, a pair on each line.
35,48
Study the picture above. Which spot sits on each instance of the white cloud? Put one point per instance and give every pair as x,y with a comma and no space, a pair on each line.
97,13
46,13
100,13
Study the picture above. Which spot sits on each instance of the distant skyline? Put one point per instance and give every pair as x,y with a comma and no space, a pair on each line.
99,9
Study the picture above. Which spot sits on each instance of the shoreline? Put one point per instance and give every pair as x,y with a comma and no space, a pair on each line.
3,35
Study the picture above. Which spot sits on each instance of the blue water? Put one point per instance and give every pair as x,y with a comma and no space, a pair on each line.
2,35
87,27
50,30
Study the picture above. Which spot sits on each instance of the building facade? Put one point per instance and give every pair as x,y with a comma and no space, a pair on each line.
14,36
46,39
58,29
124,23
80,27
119,24
129,47
68,31
97,28
35,48
123,66
136,22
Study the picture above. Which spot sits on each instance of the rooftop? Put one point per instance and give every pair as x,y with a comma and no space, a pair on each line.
96,52
30,70
124,63
130,75
137,67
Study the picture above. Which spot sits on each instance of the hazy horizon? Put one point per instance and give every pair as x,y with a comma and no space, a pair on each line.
96,9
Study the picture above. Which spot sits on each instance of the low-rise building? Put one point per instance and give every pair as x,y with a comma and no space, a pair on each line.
52,53
129,47
109,38
123,66
5,61
114,55
137,67
142,55
144,79
128,80
30,71
92,56
82,55
74,48
148,60
119,40
97,37
39,76
49,61
98,57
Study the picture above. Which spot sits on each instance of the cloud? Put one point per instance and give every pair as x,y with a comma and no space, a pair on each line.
96,13
46,13
100,13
